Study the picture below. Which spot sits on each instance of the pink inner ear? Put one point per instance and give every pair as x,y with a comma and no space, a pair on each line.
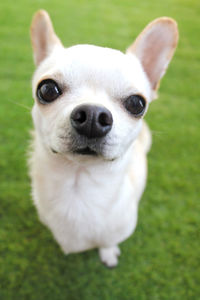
155,47
155,56
42,41
43,36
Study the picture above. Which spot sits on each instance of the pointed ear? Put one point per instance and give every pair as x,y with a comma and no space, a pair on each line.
155,47
43,37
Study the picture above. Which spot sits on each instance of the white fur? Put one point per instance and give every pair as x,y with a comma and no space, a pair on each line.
90,202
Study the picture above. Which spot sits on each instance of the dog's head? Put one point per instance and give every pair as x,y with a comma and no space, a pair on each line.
90,100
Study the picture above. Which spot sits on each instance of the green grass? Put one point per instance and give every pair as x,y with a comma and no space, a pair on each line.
162,259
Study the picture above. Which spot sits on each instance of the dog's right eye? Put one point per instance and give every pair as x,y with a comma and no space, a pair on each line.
48,91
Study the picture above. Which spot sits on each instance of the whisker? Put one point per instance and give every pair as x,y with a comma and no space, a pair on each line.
155,132
19,104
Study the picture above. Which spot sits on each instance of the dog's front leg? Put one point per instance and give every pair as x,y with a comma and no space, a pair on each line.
109,256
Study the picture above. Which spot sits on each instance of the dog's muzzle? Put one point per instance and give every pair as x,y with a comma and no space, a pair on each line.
91,124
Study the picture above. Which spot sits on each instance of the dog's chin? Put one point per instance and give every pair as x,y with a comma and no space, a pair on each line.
81,149
83,154
86,154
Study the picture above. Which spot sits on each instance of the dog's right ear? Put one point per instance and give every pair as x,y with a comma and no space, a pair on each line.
43,37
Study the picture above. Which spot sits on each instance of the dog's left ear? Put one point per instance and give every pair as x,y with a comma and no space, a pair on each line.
155,47
43,37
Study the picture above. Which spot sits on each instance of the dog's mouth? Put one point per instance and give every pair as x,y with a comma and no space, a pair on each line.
86,151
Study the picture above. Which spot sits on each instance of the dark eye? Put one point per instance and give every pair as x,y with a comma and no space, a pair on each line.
48,91
135,104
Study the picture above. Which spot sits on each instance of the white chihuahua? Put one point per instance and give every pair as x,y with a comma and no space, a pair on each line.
88,164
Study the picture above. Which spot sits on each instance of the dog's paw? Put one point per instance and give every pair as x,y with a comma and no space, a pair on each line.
109,256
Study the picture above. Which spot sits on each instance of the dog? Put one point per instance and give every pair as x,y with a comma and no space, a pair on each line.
88,163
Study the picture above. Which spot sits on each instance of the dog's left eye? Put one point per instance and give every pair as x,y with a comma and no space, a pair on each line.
135,104
48,91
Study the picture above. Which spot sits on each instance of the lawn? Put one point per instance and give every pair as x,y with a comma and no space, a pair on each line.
162,259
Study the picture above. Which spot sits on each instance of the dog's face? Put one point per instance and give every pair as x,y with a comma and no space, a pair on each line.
89,100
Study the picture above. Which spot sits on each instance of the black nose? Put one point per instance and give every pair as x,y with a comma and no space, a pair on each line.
91,121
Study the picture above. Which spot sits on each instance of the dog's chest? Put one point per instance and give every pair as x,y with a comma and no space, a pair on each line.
85,211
